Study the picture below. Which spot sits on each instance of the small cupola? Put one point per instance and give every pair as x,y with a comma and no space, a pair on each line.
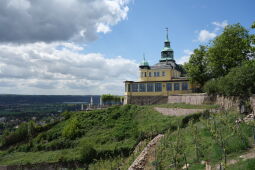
144,63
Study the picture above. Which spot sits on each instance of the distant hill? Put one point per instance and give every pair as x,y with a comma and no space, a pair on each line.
46,99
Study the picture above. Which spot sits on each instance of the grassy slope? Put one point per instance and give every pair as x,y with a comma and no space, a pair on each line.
206,139
116,128
112,131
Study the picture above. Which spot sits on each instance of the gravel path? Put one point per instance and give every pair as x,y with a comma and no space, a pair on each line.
177,111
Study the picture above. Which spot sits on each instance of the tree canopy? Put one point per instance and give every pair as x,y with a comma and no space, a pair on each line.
239,82
197,66
229,50
227,63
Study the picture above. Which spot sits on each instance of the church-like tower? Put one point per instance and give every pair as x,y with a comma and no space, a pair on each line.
167,54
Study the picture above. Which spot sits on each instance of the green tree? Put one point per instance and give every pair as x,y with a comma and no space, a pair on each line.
229,50
253,39
239,82
197,66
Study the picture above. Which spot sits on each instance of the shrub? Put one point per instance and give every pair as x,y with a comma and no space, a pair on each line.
88,153
71,129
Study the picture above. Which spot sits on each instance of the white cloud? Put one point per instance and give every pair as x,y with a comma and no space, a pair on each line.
220,25
42,68
58,20
205,35
103,28
185,57
38,54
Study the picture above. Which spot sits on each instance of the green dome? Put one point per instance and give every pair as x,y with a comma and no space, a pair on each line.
144,62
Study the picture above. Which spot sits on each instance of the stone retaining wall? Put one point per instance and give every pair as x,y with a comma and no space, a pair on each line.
224,102
140,161
194,98
189,98
145,100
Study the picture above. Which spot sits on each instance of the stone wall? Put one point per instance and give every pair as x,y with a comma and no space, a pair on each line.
189,98
227,103
145,100
224,102
195,98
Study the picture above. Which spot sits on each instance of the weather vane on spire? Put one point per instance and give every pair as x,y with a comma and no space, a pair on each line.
167,33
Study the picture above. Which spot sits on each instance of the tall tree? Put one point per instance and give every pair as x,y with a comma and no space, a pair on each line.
197,66
229,50
253,39
239,82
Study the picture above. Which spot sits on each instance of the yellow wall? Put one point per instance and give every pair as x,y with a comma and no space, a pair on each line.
164,91
169,74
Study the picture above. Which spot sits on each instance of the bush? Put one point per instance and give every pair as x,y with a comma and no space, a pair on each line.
71,129
88,153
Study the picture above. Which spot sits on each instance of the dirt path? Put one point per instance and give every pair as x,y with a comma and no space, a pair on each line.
141,160
177,111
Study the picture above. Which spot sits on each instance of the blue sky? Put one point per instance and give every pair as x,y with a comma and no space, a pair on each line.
92,46
143,30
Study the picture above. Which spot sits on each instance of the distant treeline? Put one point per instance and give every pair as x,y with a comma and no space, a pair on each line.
39,99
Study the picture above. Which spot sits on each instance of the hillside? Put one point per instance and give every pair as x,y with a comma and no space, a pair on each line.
106,139
111,132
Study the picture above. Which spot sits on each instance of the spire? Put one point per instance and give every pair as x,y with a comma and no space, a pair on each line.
167,34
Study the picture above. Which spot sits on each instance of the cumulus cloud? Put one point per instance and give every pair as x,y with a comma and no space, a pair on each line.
45,68
220,25
185,57
58,20
205,35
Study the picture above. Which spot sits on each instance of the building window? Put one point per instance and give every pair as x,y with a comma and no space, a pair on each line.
149,74
163,73
134,87
176,86
150,87
158,87
158,74
145,74
142,87
185,86
169,86
141,74
155,74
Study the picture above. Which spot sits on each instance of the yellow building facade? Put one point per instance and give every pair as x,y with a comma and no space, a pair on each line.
162,79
